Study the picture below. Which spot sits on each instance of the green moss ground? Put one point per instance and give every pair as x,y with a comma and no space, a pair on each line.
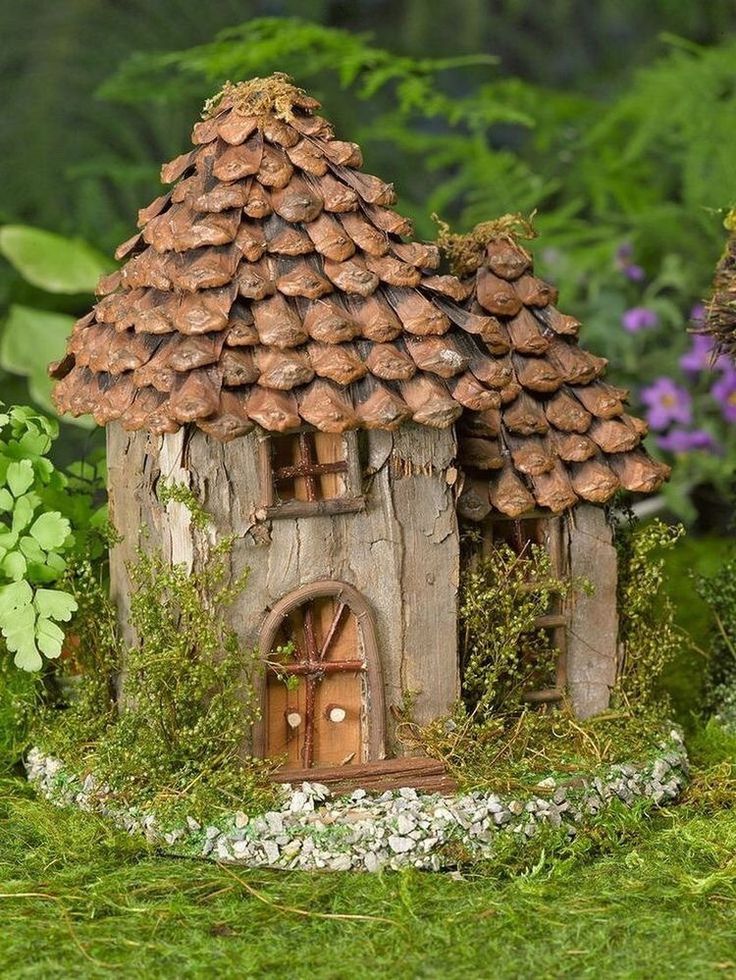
637,898
79,900
702,556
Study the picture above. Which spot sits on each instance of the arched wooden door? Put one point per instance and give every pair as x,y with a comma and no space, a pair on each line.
323,694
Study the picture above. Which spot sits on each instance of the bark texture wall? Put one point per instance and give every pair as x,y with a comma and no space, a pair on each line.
400,552
593,634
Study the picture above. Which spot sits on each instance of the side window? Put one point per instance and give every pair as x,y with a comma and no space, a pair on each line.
547,533
310,472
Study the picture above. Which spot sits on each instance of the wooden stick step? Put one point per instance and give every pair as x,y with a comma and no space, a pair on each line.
427,775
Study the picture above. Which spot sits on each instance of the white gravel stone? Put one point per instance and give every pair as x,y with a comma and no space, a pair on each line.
371,862
394,830
275,822
405,824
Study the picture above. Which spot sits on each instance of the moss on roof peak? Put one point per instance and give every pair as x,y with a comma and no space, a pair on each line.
276,94
466,253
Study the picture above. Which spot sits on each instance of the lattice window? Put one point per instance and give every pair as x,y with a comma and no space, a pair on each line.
546,532
310,472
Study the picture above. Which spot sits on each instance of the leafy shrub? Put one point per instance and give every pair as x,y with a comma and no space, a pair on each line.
189,698
502,651
648,636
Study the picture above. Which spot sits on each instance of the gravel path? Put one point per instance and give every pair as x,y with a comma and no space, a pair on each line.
396,829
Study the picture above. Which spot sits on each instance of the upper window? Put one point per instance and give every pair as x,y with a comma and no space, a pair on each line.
311,472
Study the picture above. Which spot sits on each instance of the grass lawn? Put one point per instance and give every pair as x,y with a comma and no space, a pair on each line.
635,898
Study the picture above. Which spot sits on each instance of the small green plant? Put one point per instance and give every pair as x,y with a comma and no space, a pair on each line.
180,493
648,636
503,652
34,540
81,703
20,699
189,701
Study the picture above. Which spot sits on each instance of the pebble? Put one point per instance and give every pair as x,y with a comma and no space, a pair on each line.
371,862
301,802
275,821
405,824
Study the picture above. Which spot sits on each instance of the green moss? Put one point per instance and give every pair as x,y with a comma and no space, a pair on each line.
180,493
177,747
81,899
514,753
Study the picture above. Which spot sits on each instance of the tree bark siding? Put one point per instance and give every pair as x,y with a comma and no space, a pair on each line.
593,634
400,552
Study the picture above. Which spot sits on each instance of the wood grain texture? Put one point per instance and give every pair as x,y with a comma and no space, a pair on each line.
425,774
593,633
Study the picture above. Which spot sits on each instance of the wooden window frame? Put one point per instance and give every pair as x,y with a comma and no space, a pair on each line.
350,502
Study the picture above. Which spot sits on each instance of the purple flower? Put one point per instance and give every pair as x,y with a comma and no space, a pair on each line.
697,313
634,272
724,392
685,441
639,318
667,402
700,356
630,269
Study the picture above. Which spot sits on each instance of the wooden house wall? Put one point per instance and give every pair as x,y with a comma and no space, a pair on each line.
592,639
401,552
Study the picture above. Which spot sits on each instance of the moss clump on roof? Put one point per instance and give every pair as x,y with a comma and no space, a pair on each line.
466,253
276,94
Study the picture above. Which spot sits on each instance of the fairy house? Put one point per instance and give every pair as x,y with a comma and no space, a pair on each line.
276,341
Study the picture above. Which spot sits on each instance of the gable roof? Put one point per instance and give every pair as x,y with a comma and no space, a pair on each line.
272,286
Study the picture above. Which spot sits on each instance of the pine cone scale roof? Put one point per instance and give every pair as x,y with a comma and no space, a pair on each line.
272,286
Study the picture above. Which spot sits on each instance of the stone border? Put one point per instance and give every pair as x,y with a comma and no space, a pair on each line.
396,829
